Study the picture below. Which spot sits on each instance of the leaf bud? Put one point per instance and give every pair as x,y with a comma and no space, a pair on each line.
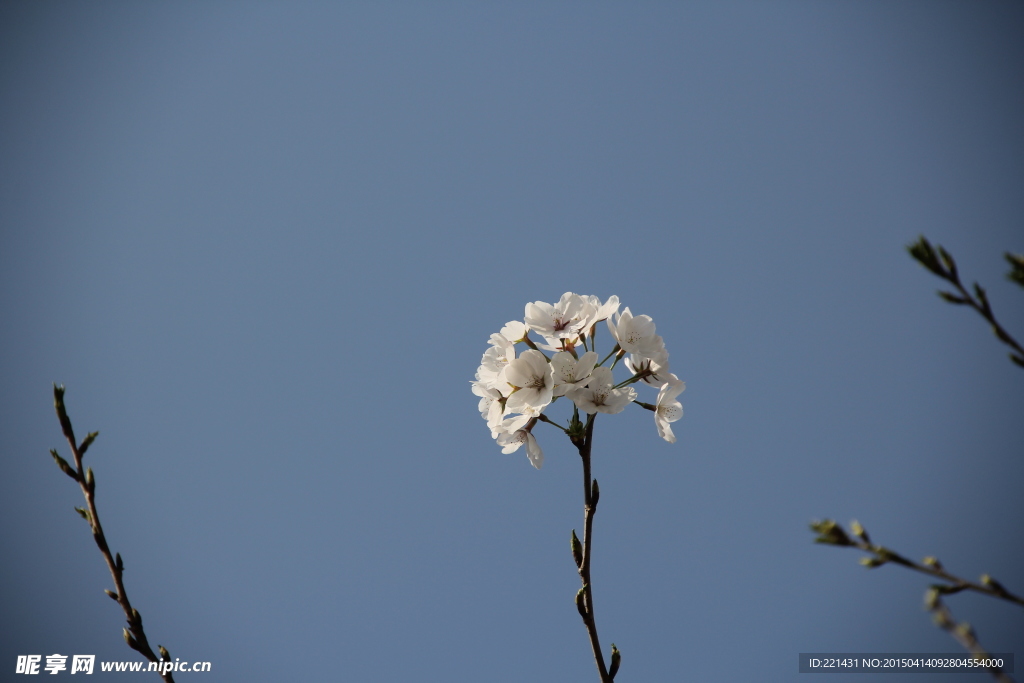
989,582
576,431
63,465
90,481
923,252
859,531
87,441
616,660
965,630
891,556
952,298
164,654
830,533
577,549
595,493
932,598
128,638
932,562
112,594
872,562
118,563
580,607
62,414
948,261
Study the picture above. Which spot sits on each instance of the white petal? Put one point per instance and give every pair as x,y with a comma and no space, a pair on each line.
533,451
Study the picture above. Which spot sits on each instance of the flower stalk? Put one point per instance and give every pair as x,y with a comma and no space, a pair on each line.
515,391
591,495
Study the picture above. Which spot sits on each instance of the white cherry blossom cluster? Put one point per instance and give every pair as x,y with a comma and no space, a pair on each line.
515,390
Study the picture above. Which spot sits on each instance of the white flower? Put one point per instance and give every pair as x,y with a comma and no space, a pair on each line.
570,373
515,433
531,373
668,409
494,362
658,367
599,396
636,335
514,331
595,311
490,405
561,321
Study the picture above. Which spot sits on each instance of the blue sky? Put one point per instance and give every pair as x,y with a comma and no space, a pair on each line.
264,244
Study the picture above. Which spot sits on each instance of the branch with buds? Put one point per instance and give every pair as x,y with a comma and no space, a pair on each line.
831,533
134,634
941,263
962,632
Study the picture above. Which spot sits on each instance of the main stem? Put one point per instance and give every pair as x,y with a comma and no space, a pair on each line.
589,508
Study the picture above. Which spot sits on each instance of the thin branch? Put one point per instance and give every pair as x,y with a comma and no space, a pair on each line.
582,555
544,418
941,263
831,533
134,635
962,632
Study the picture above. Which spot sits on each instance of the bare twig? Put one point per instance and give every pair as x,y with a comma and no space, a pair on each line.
134,634
962,632
941,263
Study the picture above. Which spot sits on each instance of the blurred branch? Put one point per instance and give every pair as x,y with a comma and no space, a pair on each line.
134,635
831,533
962,632
941,263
